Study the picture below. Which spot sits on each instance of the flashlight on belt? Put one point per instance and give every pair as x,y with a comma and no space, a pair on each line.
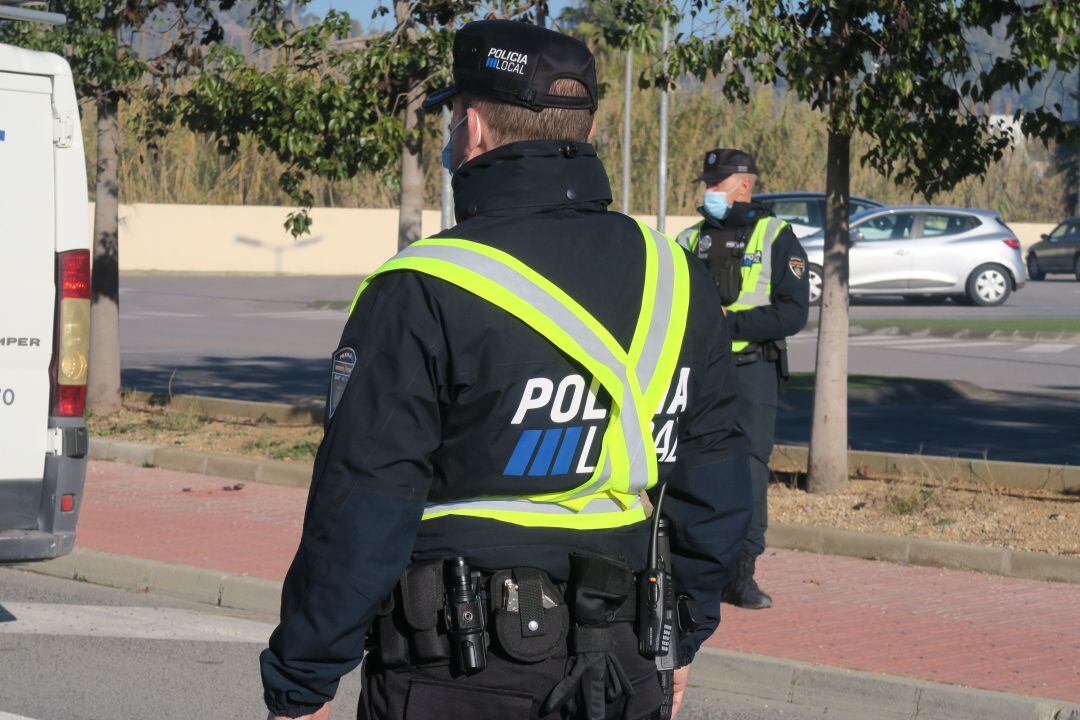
465,617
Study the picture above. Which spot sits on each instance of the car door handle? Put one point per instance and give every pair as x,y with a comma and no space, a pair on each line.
901,252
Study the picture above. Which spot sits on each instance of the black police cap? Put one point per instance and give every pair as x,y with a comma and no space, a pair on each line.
721,162
516,62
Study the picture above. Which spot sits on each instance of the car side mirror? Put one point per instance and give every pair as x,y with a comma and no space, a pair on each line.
1045,237
856,236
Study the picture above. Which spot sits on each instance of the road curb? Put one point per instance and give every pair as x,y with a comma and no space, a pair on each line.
759,676
232,467
1000,473
212,587
925,552
886,696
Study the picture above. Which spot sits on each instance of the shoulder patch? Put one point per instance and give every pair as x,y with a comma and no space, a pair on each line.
798,267
342,363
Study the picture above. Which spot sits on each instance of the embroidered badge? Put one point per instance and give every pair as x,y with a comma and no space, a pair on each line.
798,266
341,367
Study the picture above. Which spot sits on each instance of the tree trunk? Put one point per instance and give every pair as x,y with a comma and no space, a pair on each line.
103,383
828,468
411,204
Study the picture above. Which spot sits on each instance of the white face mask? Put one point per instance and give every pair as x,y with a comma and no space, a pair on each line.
446,159
446,153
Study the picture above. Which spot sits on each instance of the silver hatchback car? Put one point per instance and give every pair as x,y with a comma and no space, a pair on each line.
927,254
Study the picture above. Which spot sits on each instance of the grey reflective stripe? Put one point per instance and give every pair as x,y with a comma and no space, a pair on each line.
661,315
514,282
597,506
760,295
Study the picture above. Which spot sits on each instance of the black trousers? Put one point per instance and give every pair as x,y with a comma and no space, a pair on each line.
504,690
759,388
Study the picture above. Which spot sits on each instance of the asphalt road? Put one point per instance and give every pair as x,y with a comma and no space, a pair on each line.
74,651
269,338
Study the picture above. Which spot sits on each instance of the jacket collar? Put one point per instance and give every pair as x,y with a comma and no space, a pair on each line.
529,177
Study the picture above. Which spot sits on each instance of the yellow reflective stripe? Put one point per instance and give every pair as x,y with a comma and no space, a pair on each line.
613,439
613,513
669,356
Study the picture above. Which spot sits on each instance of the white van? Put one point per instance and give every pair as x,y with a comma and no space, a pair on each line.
44,306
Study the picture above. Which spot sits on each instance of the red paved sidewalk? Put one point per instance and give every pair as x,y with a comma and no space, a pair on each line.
983,631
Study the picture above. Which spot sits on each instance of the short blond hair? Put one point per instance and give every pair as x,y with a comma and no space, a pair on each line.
509,123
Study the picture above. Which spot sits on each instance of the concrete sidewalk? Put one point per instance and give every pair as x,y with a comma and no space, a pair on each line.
981,631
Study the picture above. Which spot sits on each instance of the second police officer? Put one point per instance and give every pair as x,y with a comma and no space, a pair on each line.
501,395
760,270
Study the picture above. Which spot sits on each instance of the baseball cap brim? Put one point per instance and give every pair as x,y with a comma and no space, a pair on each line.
439,98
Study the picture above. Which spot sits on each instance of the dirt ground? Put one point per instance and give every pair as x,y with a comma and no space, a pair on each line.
1039,521
923,507
155,425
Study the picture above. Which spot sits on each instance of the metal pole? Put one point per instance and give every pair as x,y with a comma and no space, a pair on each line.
541,13
447,195
627,92
661,175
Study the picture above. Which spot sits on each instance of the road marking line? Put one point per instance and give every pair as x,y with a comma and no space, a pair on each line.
145,623
898,341
9,716
1047,348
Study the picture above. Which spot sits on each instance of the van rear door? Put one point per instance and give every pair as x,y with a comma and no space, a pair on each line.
27,291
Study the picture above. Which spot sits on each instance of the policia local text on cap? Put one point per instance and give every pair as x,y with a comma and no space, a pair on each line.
501,395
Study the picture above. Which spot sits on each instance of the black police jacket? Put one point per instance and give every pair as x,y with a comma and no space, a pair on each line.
790,291
445,384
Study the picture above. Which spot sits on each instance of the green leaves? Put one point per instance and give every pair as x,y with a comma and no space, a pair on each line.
905,74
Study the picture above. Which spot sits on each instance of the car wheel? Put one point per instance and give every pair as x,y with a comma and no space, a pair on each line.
1035,271
1076,267
814,276
926,299
989,285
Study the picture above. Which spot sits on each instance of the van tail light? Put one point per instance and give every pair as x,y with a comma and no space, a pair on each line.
71,345
1013,243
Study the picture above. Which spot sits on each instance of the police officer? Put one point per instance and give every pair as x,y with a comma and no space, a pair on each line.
760,270
501,394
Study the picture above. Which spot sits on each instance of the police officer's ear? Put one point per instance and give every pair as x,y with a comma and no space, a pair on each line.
479,137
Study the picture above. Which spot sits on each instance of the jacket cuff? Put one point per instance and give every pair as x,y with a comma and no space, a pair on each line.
277,704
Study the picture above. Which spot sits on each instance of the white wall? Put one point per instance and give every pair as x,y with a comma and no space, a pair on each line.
252,239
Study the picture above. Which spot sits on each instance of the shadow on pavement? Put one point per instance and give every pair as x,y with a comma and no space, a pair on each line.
1008,426
266,378
896,415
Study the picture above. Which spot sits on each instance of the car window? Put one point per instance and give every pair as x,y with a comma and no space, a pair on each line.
935,225
1060,230
857,207
794,211
890,226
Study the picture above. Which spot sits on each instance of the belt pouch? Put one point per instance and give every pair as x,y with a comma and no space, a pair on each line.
532,631
422,597
392,645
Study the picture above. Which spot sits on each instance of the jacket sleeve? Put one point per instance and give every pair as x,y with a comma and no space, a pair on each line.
708,499
371,479
790,296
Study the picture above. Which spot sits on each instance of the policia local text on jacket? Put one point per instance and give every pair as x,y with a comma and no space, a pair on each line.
767,298
492,405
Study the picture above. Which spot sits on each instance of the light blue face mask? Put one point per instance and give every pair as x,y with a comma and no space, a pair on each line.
446,160
716,204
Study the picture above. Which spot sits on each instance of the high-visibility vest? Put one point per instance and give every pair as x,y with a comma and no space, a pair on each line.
756,269
637,380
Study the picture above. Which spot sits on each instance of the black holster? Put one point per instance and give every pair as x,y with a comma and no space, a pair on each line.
600,588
